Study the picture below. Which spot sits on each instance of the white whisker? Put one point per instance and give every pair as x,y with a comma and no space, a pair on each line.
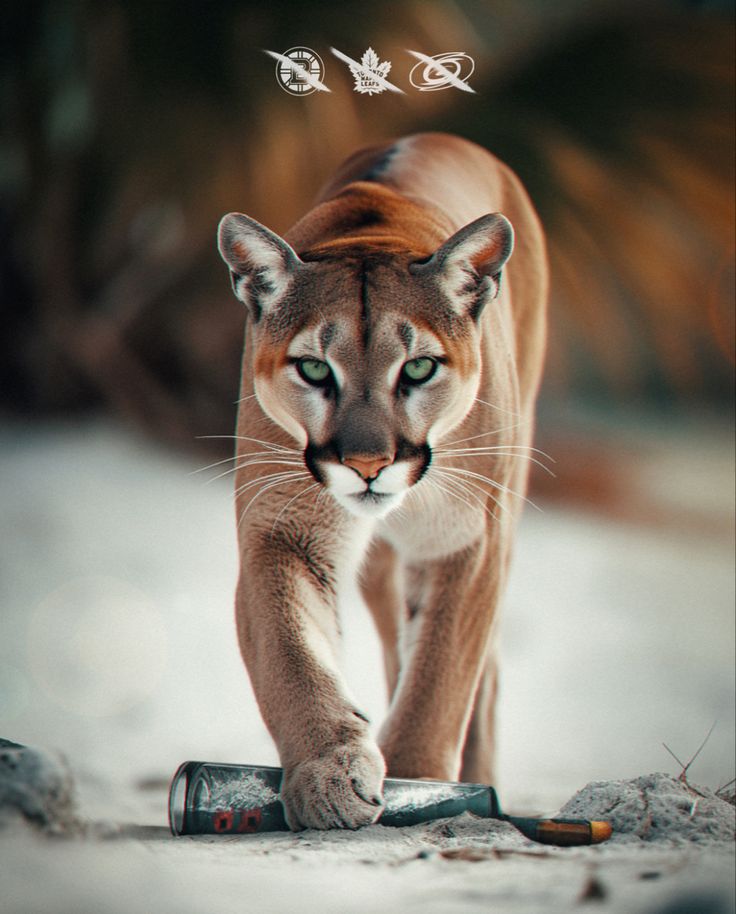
445,489
321,494
509,412
489,452
257,462
482,448
464,487
218,463
494,431
269,444
268,478
493,483
469,487
294,498
270,485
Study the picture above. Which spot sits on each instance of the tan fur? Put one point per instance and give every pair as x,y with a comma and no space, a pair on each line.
435,566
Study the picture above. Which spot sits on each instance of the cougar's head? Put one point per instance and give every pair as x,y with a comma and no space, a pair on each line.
366,356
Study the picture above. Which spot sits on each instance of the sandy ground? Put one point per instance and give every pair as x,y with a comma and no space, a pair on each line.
117,649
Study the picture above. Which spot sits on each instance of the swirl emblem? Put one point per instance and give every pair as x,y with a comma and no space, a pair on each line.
442,71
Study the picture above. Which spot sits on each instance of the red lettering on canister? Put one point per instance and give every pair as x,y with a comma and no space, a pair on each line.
223,820
250,820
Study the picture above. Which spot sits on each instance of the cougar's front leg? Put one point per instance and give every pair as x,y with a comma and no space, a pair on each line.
451,604
288,632
381,590
479,750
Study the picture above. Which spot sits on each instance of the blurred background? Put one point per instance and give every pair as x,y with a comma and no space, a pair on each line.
129,128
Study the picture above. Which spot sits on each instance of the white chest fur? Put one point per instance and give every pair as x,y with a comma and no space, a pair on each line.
433,522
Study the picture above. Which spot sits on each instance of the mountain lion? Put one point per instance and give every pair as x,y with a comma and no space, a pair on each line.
391,364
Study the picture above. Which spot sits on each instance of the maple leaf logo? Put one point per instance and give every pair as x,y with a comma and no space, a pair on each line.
370,64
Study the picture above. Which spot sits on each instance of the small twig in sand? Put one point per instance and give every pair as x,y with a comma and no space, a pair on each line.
727,792
685,767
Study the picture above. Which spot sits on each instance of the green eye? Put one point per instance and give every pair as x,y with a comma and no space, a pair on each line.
314,371
417,371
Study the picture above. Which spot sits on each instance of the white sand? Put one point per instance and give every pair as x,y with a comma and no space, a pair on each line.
117,648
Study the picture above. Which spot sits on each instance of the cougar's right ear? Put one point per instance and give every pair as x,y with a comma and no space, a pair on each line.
469,264
261,263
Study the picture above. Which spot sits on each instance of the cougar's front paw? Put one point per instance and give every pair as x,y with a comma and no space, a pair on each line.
340,789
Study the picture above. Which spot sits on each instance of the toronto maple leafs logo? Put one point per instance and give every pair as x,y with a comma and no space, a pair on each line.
370,74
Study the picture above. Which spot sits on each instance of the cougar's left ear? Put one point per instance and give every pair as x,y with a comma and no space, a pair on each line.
469,264
261,263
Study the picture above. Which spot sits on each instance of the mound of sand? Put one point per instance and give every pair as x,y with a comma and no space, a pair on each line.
36,787
655,807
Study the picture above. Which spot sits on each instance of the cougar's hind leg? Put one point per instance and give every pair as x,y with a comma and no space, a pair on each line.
381,589
479,749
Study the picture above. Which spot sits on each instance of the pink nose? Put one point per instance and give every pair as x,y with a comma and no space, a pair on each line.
367,467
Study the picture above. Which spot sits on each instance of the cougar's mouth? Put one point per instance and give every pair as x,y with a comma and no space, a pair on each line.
369,503
374,497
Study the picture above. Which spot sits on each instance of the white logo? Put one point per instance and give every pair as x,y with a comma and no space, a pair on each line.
453,68
299,71
370,73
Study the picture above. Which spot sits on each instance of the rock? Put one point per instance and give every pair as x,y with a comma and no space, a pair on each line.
36,787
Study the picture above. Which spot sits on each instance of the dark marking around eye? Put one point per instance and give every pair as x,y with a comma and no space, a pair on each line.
326,335
406,335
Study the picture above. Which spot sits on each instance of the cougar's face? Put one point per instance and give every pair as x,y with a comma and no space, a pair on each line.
365,385
366,357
